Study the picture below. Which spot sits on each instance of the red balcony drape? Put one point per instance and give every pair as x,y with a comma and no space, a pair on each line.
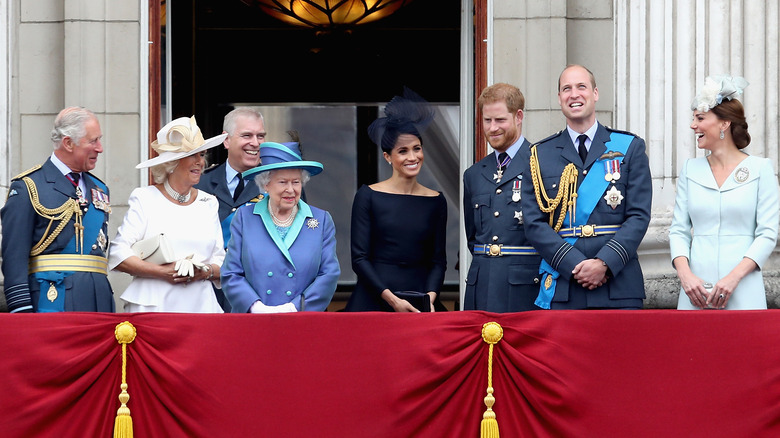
556,374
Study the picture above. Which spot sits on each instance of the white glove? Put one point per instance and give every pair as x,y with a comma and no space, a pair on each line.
184,267
259,307
202,266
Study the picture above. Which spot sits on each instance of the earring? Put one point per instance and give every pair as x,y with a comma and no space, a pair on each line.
390,163
722,134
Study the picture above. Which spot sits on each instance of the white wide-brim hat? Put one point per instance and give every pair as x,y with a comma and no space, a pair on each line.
178,139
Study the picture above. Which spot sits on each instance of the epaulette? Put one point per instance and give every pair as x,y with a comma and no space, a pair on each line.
548,138
27,172
210,168
620,132
93,176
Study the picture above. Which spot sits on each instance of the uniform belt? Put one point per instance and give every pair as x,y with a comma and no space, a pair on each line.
589,230
496,250
68,263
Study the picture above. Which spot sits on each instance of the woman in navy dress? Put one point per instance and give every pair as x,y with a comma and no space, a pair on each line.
398,225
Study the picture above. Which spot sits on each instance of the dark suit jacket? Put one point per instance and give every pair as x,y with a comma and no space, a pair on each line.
23,228
625,287
213,181
506,283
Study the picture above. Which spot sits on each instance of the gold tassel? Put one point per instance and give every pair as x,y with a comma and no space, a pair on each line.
491,333
123,425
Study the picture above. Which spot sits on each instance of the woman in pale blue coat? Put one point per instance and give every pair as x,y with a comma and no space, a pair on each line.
726,211
282,252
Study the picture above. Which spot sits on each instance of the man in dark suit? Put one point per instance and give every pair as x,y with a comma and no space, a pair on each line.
245,128
587,205
55,225
503,276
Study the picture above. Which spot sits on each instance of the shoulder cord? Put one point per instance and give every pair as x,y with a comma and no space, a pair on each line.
63,213
567,190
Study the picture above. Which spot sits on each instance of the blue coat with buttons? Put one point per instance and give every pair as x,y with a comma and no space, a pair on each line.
259,265
507,283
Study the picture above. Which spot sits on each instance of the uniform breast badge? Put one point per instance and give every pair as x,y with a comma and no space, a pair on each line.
102,241
741,175
519,217
51,294
312,223
613,197
498,175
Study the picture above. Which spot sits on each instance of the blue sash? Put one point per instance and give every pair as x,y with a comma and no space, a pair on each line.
93,223
588,196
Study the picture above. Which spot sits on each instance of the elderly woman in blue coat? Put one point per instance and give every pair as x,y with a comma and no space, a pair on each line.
282,253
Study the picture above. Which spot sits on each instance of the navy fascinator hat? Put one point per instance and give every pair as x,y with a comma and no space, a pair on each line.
407,114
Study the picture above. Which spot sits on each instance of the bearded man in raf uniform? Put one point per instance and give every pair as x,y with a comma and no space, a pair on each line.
586,203
55,225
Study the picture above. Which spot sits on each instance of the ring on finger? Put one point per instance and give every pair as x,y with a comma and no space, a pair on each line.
722,296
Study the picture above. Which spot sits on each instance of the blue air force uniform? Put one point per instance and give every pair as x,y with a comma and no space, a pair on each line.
503,276
615,226
214,181
54,249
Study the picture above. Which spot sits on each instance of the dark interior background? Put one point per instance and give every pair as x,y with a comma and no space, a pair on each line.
225,51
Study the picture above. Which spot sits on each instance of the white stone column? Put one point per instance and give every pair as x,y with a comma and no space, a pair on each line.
663,52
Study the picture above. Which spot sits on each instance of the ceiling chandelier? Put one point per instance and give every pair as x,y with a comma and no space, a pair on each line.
326,15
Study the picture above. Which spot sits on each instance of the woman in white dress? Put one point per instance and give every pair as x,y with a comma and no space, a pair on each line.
186,216
726,210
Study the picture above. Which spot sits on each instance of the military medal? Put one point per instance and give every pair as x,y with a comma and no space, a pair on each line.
612,170
79,194
501,166
51,295
312,223
519,217
613,197
516,189
548,281
100,200
741,175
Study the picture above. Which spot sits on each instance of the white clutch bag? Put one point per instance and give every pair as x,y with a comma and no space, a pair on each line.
155,249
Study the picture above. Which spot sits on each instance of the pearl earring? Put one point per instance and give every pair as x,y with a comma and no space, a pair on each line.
722,134
390,163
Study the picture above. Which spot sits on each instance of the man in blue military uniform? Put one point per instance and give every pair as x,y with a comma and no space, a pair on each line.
503,276
55,225
587,205
245,128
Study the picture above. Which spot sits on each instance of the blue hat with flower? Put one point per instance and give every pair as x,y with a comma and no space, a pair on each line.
274,156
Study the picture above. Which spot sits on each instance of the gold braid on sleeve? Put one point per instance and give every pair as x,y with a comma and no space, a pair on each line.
63,213
567,190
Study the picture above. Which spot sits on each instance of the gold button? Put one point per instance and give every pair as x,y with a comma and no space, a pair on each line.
554,185
585,172
498,191
495,238
495,213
